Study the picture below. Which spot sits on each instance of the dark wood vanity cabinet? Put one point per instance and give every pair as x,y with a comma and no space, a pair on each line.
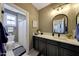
39,44
54,48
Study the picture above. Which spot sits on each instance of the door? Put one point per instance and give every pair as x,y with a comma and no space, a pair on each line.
22,33
22,30
35,43
42,46
52,50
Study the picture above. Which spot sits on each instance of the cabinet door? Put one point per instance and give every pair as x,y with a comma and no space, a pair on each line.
42,47
66,52
52,50
35,43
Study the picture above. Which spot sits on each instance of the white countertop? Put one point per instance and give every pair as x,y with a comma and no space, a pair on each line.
60,39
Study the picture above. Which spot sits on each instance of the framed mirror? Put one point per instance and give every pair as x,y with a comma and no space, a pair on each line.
60,24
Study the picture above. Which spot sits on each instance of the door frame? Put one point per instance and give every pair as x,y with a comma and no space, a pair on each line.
18,9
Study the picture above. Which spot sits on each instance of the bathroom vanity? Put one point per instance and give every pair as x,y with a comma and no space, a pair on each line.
49,45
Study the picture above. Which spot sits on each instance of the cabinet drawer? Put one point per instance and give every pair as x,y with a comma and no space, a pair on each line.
34,37
52,42
42,39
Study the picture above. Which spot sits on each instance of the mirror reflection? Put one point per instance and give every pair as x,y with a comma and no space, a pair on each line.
60,24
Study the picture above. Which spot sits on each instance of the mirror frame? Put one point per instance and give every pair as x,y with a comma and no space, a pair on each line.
76,17
64,25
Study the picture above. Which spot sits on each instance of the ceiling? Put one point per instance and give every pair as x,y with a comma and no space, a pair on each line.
40,5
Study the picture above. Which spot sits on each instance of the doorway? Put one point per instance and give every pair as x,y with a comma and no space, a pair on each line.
16,23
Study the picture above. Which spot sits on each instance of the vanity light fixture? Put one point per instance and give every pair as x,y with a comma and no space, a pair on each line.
60,7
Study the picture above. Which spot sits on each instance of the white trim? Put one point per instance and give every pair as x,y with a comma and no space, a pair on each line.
16,8
27,31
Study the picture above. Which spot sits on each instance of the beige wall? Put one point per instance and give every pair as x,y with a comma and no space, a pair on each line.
47,14
33,15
